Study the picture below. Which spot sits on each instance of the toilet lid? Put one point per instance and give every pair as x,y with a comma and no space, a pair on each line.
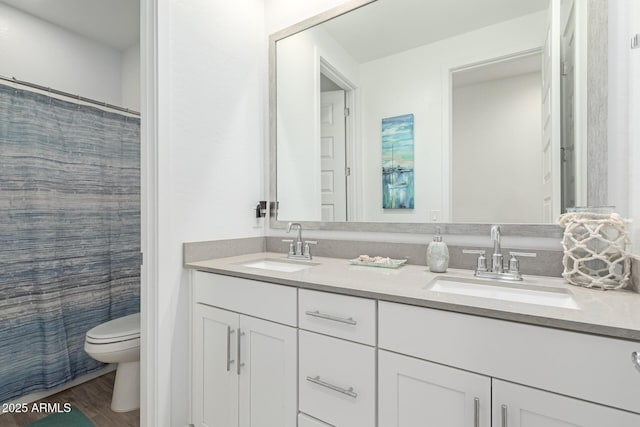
123,327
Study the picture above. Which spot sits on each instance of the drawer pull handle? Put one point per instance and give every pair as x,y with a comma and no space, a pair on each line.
348,391
635,359
504,415
317,313
229,361
239,348
476,412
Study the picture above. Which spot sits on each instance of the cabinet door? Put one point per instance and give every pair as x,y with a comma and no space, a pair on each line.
215,381
519,406
268,372
416,393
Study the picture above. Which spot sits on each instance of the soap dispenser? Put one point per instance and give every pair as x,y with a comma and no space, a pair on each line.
437,254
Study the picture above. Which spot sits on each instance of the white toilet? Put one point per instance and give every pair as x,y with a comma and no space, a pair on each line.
118,341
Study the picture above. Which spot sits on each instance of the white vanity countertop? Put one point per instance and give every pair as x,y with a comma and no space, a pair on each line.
609,313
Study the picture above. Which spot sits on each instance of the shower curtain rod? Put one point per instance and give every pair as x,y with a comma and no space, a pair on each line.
68,95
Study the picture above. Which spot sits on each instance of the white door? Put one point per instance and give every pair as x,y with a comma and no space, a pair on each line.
568,150
333,177
519,406
215,379
268,374
551,116
417,393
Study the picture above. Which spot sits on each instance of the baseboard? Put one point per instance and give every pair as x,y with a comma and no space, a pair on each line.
30,398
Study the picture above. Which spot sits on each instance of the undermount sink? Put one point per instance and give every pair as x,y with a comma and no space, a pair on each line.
280,265
515,292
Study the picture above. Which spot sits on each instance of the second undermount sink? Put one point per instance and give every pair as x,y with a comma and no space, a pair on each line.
506,291
281,265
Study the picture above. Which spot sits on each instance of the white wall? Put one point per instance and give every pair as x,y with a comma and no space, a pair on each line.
496,158
212,126
130,78
415,81
298,112
37,51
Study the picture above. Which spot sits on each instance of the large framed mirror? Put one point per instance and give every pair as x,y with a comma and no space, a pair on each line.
399,115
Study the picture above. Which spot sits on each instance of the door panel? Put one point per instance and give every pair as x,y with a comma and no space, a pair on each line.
333,156
268,386
416,393
550,144
215,381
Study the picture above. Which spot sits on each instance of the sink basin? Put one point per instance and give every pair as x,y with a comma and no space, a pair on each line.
281,265
515,292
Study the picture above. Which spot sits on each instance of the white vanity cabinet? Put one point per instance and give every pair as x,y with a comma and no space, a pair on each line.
414,392
518,406
549,365
244,368
266,355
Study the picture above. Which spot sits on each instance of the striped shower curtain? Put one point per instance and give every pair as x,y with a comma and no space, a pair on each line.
69,234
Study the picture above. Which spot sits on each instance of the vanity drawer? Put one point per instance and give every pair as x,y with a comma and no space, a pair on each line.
337,380
306,421
588,367
341,316
258,299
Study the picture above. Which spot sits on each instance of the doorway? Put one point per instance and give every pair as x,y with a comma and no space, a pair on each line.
336,147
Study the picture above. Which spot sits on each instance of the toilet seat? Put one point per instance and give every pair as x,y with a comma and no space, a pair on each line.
124,330
112,346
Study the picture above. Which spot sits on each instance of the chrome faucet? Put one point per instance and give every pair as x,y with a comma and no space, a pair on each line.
496,258
298,249
498,270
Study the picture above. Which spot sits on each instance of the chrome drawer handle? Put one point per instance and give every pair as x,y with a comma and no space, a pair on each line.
348,391
504,415
635,359
317,313
239,348
229,361
476,412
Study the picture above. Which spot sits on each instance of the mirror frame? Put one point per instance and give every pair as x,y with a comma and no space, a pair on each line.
467,229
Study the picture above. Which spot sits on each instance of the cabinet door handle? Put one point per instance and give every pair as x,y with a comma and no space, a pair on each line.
476,412
504,415
229,361
635,359
239,346
317,313
348,391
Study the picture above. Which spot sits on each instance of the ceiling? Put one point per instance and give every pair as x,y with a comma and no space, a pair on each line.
389,26
115,23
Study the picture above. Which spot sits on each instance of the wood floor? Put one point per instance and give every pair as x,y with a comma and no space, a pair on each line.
93,398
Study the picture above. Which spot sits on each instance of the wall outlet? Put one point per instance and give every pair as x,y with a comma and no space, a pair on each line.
435,215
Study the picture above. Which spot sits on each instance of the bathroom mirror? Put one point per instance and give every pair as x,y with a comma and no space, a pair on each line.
389,114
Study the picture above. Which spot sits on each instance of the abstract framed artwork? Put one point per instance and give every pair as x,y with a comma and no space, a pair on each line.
397,162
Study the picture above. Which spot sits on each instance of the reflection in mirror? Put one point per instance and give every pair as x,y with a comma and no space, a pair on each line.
496,114
482,82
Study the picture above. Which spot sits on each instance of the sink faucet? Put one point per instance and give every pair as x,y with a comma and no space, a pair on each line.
496,258
298,249
498,270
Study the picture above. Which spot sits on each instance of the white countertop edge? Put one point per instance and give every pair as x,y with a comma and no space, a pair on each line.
613,314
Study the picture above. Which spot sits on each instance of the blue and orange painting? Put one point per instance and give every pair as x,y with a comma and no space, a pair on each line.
397,162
